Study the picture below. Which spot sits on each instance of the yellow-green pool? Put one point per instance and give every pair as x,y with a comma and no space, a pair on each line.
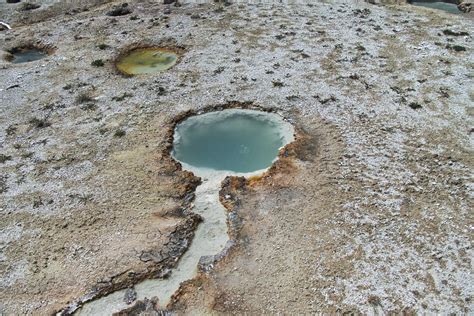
147,61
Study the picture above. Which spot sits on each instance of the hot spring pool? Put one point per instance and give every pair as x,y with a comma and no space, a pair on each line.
147,61
438,5
27,55
233,140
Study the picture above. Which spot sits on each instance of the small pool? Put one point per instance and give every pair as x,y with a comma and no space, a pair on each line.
234,140
27,55
438,5
147,61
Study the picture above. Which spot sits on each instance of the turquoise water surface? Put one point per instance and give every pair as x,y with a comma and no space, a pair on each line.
27,56
448,7
233,141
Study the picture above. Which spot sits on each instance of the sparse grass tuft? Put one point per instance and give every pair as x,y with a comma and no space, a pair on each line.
457,48
4,158
39,123
122,97
103,46
119,133
120,10
97,63
27,155
11,130
449,32
415,105
3,184
89,107
360,47
68,86
84,97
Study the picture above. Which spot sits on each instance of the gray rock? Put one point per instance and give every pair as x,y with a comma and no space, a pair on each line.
466,5
130,296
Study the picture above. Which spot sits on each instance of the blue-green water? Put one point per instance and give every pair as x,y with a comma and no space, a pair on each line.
25,56
448,7
233,140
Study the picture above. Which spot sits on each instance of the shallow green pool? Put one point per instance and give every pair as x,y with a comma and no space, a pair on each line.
447,7
147,61
234,140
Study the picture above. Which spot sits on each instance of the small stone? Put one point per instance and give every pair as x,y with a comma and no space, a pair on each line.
465,6
130,296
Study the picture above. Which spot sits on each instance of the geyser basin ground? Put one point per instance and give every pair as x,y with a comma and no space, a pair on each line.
19,56
377,211
147,61
212,145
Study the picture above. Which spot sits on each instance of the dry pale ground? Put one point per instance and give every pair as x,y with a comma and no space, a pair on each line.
371,210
